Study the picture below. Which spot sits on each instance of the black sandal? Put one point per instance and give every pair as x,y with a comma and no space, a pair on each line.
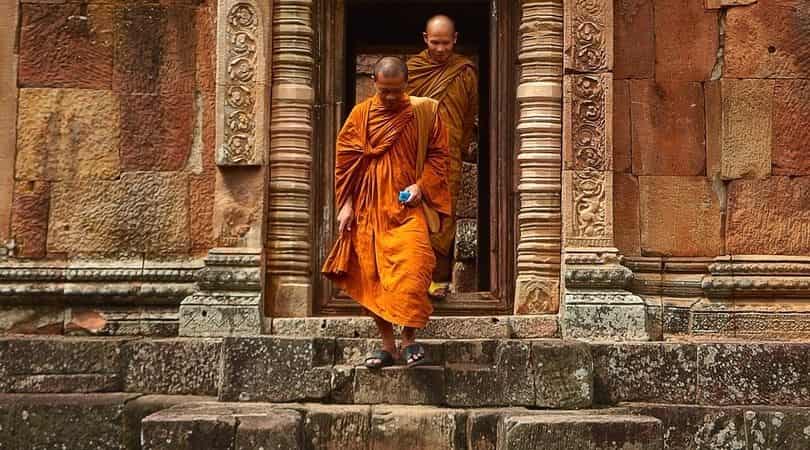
379,359
414,355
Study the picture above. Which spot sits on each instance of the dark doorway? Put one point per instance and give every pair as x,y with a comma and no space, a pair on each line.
352,36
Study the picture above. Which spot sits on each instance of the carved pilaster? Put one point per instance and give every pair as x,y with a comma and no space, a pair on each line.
229,300
539,159
588,36
241,86
289,211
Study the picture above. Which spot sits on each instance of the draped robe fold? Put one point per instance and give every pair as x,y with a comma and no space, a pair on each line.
385,261
454,84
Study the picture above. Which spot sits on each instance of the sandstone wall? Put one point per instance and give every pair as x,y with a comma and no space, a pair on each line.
115,128
711,110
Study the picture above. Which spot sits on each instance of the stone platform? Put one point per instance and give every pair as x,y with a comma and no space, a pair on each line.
475,394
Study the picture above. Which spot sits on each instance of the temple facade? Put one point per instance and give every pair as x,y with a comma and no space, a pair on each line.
639,194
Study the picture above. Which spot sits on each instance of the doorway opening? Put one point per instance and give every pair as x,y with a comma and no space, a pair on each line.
359,32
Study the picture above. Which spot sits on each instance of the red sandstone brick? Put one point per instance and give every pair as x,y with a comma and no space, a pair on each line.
626,225
622,137
686,40
155,49
206,48
201,212
770,38
156,131
680,216
29,218
634,39
791,133
668,128
770,216
67,45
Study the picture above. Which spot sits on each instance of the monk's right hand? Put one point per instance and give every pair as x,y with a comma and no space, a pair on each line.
345,218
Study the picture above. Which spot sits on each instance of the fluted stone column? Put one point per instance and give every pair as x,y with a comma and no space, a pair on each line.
289,210
596,303
539,159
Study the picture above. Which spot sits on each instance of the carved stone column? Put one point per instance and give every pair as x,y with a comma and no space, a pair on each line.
289,210
596,304
539,159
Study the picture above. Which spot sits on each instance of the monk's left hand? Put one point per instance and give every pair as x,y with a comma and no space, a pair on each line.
416,194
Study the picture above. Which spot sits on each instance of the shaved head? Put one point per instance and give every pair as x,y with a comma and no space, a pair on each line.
440,37
391,67
440,24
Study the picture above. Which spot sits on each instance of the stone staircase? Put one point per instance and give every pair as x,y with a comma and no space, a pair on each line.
288,392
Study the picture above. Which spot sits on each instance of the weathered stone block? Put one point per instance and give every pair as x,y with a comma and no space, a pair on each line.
765,374
166,430
739,128
73,365
697,427
9,95
423,385
276,369
611,316
137,409
634,39
201,213
357,327
281,429
478,351
482,426
343,427
461,327
416,428
677,58
579,432
680,216
32,319
626,220
466,246
467,206
141,212
29,218
768,39
490,375
465,276
67,45
221,314
514,365
156,131
63,134
172,366
791,114
563,374
768,216
668,127
472,385
645,372
155,49
622,127
119,320
57,421
533,327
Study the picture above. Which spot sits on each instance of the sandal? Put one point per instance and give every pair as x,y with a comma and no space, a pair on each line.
379,359
414,355
438,291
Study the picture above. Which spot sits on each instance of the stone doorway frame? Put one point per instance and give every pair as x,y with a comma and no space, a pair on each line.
330,100
563,155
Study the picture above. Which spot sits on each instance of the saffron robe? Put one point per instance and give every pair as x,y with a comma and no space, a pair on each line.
454,84
385,261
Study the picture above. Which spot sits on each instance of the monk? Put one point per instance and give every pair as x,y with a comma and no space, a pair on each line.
390,190
451,79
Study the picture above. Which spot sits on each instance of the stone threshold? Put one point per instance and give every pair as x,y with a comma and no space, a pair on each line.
443,327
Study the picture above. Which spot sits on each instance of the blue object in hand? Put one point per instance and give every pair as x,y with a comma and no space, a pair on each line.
404,196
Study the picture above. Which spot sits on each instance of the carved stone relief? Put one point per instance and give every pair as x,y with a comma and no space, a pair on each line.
241,50
589,35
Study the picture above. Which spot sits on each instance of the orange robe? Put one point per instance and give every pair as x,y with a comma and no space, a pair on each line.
386,260
455,85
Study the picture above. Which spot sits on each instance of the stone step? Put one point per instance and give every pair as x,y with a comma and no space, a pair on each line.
79,421
474,372
214,426
468,373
